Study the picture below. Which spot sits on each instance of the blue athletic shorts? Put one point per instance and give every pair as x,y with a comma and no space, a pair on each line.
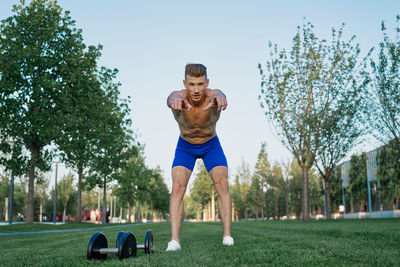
211,152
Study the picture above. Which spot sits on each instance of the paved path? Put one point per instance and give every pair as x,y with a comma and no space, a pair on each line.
71,230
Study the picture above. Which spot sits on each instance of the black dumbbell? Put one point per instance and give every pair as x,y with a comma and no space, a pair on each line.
98,247
148,242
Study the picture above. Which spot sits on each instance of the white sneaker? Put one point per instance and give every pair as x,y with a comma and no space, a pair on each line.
228,241
173,245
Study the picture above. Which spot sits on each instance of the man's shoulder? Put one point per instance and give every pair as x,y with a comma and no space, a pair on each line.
209,92
182,93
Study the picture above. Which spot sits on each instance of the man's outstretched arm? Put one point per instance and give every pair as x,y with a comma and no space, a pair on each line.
218,99
175,101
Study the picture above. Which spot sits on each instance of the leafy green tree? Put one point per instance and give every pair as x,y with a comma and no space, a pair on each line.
88,199
114,145
240,191
316,193
336,189
133,182
203,188
159,194
309,94
261,173
255,196
4,193
279,187
295,188
343,117
40,191
358,180
384,108
64,188
388,173
82,115
20,197
40,49
192,208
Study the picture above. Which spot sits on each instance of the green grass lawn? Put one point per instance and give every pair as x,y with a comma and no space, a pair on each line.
374,242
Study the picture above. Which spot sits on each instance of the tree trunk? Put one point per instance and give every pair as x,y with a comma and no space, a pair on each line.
213,206
6,219
111,208
115,206
328,198
198,215
287,205
262,211
209,211
129,212
41,211
139,210
64,213
31,184
277,209
151,208
79,211
104,201
304,190
256,211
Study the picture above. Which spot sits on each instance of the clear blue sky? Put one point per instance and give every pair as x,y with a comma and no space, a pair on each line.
151,41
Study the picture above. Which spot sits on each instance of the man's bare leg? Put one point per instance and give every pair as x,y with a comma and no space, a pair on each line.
219,175
180,178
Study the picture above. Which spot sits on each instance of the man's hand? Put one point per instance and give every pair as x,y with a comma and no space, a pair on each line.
180,104
176,102
218,99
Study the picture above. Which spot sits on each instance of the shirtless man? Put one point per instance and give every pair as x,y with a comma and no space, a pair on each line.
197,110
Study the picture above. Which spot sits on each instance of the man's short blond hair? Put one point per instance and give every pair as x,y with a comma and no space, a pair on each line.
195,70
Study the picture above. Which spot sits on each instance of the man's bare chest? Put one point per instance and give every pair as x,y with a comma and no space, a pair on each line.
197,118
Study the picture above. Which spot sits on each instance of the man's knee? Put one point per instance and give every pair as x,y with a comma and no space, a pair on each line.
180,178
219,175
178,188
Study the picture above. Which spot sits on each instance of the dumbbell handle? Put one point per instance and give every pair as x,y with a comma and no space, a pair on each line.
140,246
106,250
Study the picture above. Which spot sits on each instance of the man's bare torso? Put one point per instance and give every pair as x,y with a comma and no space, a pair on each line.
196,125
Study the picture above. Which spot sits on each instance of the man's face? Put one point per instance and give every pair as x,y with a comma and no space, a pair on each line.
196,88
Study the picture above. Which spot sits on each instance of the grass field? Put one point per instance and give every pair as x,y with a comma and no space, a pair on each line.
374,242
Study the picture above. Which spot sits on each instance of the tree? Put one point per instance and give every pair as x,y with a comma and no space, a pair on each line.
4,193
39,49
316,193
336,189
286,185
203,188
341,126
388,173
305,94
256,197
295,188
133,182
159,194
240,191
79,129
261,173
65,189
358,180
41,187
384,107
192,209
114,145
